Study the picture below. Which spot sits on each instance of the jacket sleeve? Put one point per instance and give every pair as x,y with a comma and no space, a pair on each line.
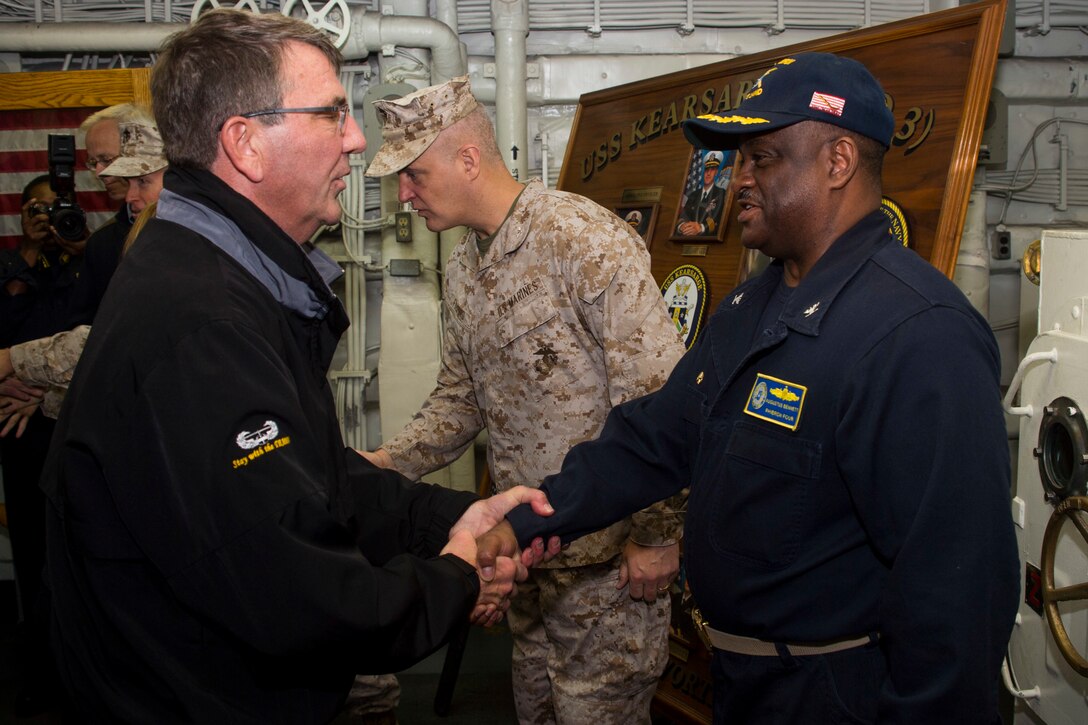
226,493
625,312
49,360
450,418
924,451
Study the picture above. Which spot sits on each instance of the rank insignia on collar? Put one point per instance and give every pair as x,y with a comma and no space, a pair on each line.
776,401
738,298
685,293
812,310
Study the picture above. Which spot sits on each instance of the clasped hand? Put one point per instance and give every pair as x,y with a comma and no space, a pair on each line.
18,401
483,538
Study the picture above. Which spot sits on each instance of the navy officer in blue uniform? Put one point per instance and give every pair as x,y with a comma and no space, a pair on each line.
848,538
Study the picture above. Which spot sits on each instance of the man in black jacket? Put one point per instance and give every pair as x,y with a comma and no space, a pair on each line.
215,553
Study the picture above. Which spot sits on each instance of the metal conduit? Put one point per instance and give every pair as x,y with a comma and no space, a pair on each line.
369,32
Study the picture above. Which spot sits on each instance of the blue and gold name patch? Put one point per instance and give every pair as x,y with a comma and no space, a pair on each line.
776,401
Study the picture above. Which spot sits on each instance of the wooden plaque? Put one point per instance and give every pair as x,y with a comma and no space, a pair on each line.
75,89
936,70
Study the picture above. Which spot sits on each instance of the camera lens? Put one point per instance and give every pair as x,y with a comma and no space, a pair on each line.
69,221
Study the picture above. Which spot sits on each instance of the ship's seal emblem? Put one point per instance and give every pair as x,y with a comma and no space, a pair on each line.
685,292
899,227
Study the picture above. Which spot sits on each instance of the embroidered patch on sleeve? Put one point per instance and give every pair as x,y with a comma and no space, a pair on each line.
252,444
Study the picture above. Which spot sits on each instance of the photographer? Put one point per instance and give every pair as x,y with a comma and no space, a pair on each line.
37,278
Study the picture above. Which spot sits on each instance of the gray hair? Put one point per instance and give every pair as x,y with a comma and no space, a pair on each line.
122,113
225,64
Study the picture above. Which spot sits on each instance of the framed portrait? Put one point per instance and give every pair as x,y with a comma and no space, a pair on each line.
705,196
642,219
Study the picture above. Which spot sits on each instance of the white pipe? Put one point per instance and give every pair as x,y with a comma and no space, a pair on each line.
972,273
510,24
86,37
446,12
1050,356
1033,694
372,32
1042,80
544,158
368,32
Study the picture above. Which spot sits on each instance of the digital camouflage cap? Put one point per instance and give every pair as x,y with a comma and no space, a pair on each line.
412,123
141,151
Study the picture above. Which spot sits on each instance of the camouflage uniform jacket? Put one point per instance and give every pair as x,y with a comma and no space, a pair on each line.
49,362
558,322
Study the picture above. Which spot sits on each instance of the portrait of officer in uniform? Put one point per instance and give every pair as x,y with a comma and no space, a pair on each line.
641,219
704,199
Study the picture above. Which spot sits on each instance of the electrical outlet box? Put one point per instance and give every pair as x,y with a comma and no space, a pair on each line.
403,220
404,268
1002,248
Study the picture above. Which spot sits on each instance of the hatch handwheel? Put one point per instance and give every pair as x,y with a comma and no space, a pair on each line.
1072,509
202,6
334,17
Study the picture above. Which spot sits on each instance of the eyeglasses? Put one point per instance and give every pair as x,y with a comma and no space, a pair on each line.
94,162
342,113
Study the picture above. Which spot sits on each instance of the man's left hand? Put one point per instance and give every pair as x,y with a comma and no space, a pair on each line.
648,570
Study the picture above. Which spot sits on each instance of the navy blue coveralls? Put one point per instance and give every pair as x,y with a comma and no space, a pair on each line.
849,475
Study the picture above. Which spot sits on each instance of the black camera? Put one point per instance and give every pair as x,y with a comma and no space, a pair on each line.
65,215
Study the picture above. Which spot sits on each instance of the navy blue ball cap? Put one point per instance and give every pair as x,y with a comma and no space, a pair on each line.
805,87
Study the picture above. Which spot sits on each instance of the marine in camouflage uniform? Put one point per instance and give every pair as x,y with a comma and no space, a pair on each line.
549,323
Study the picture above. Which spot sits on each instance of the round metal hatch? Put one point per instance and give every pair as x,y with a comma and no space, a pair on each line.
1063,449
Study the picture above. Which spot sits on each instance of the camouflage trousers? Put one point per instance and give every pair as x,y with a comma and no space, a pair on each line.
372,694
585,652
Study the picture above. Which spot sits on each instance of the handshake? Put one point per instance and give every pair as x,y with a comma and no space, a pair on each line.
484,538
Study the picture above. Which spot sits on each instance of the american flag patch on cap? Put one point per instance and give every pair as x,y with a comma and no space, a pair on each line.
828,103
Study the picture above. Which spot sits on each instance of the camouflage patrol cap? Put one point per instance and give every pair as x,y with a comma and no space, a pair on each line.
412,123
141,151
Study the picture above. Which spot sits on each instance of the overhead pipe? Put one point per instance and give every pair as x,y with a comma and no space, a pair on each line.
92,37
369,32
372,32
1042,80
446,12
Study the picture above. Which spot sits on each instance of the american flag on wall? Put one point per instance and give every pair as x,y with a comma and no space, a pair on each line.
24,142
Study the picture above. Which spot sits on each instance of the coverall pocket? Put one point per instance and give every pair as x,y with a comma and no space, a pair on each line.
761,494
